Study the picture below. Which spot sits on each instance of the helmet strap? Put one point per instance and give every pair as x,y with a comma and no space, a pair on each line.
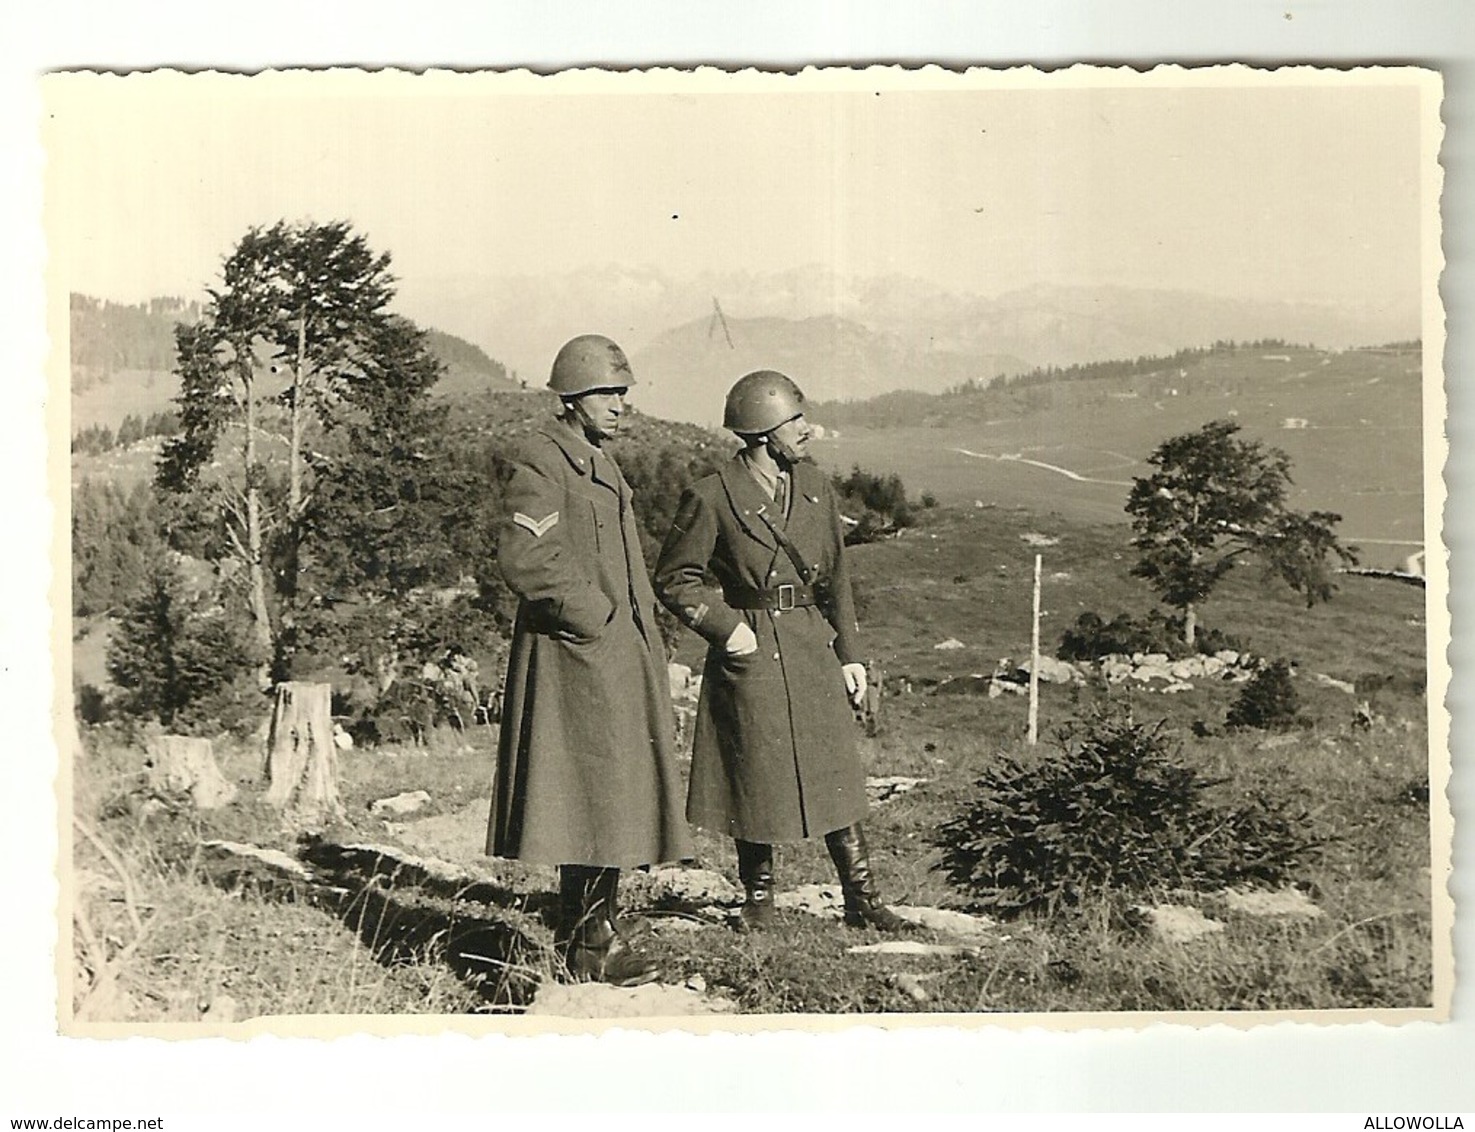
783,454
574,413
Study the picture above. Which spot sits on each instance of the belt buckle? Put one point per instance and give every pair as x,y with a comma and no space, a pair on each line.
783,590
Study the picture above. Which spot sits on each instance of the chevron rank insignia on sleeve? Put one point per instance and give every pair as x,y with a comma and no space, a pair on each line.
538,527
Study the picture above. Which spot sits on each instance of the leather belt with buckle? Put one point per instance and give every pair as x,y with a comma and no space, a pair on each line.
784,597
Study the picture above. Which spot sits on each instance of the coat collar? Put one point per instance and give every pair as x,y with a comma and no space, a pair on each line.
748,498
583,457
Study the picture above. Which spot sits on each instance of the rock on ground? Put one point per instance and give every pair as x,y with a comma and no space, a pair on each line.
947,922
400,804
910,985
597,1000
911,947
1054,671
949,645
1178,923
884,788
1286,902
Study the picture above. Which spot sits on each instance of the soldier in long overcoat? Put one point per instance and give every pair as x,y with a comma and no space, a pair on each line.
774,755
586,776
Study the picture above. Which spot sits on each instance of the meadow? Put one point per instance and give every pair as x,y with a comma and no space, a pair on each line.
1355,440
163,935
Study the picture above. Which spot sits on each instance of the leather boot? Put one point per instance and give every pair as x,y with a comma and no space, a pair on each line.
592,949
755,870
863,907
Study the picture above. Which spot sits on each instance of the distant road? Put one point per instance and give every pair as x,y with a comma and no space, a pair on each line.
1066,472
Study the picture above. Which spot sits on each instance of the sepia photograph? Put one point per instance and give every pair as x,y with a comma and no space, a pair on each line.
723,550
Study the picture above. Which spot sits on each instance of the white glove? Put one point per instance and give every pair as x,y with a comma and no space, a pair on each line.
741,641
855,682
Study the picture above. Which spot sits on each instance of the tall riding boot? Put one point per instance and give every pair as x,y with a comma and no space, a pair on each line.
863,907
592,950
755,870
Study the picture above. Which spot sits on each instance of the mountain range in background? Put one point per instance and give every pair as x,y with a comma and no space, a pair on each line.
850,339
690,339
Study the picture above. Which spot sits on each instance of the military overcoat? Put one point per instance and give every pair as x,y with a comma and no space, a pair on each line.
586,773
774,754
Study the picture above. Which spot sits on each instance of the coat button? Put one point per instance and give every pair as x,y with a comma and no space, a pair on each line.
775,656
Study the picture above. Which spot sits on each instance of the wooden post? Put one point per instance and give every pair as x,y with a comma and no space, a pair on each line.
301,760
1034,663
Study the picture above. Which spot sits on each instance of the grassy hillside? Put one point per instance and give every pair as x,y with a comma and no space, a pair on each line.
1350,421
389,949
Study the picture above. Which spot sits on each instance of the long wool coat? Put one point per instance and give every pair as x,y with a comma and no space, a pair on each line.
774,754
586,773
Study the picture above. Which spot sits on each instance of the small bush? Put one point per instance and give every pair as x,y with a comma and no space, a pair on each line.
1091,638
1268,702
878,503
1116,812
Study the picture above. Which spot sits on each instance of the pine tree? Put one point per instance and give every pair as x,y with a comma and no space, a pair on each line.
298,329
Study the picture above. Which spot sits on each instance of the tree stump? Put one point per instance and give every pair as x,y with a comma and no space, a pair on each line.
301,760
183,764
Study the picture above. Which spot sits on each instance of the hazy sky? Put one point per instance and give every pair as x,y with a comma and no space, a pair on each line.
1302,190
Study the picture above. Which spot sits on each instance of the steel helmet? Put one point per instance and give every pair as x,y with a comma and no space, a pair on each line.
760,402
590,361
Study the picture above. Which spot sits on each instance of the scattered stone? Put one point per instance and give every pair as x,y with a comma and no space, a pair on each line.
274,859
1227,657
1329,682
911,947
885,788
1179,923
400,805
1054,671
997,686
1032,538
599,1000
910,985
341,738
1175,687
694,886
947,922
1186,669
433,867
696,984
949,645
814,899
1285,902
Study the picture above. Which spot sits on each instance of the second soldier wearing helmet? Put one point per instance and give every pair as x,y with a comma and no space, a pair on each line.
774,755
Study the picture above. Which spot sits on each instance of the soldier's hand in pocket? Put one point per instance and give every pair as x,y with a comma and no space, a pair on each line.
855,682
741,641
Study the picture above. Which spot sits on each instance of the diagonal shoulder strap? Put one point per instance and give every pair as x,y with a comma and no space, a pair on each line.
806,572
